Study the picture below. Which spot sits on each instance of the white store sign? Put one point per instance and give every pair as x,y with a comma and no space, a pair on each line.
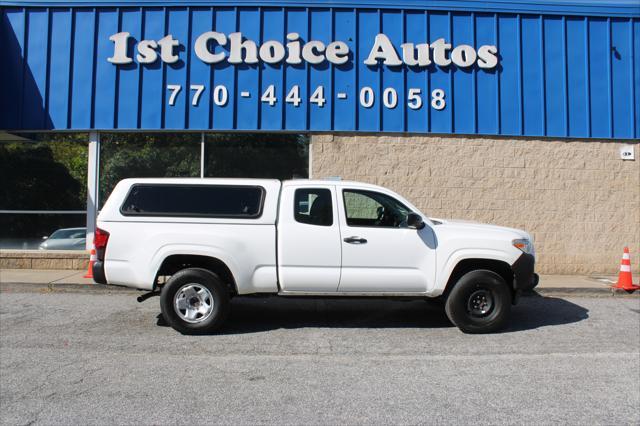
296,51
627,152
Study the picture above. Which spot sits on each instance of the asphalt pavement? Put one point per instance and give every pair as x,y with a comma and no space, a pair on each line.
99,357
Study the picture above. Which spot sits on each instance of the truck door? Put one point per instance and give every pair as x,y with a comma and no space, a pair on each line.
309,248
379,252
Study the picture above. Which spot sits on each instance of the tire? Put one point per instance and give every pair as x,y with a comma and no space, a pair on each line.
480,302
195,301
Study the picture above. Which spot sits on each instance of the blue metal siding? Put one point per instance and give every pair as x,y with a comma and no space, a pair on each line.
440,121
36,42
225,76
81,95
487,84
609,8
248,77
558,76
416,120
59,69
577,78
12,49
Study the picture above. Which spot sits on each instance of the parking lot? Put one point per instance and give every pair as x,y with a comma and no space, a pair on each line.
100,357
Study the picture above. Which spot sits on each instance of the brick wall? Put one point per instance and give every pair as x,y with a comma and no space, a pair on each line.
44,259
580,202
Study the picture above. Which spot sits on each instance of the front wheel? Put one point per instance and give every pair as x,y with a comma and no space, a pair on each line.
194,301
480,302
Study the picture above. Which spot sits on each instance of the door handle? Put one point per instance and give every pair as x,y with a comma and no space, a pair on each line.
355,240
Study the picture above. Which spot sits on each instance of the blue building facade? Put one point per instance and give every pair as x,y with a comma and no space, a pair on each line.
542,68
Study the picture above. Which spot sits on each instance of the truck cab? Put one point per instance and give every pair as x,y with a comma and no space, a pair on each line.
341,237
235,237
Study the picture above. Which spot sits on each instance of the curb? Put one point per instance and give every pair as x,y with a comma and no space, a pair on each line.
89,287
62,287
580,292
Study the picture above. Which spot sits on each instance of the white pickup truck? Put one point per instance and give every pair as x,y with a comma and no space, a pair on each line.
199,242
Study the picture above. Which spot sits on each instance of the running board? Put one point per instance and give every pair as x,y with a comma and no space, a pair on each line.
352,294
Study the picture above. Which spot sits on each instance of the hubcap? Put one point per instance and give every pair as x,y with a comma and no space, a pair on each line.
193,303
480,303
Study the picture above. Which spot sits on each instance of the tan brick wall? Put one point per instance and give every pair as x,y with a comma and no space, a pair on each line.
580,202
44,259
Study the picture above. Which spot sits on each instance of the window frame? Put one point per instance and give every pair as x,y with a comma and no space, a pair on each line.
123,212
295,205
364,192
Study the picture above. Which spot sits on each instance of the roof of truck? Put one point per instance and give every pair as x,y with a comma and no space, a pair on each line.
228,180
246,181
195,180
331,181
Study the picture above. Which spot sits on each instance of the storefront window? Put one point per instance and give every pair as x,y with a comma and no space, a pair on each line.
42,189
43,176
126,155
256,155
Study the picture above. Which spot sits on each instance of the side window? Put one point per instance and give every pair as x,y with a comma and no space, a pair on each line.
313,206
373,209
194,201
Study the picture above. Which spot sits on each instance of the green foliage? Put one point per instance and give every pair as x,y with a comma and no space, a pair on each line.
49,172
72,152
257,155
33,177
146,155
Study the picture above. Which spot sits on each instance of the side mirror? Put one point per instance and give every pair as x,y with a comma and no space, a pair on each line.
415,221
45,238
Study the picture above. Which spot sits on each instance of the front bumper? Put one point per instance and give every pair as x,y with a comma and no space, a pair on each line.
523,271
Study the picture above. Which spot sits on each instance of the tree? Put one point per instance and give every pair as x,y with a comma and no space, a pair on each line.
32,179
257,155
147,155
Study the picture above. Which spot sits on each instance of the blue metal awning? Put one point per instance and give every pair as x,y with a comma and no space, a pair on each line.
562,74
610,8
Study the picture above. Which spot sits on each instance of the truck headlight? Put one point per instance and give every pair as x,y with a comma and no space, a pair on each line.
523,244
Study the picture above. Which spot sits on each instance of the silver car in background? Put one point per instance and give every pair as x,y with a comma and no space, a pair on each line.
66,239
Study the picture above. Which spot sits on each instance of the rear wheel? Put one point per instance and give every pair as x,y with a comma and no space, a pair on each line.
480,302
194,301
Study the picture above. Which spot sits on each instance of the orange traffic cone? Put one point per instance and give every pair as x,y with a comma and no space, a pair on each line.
625,281
92,260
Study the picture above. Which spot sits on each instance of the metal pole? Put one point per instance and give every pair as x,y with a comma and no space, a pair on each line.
202,155
310,152
93,167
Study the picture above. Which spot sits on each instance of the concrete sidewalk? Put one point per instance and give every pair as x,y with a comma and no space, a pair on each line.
43,276
53,279
549,284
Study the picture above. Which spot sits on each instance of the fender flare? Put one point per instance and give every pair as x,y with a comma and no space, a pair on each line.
192,250
463,254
